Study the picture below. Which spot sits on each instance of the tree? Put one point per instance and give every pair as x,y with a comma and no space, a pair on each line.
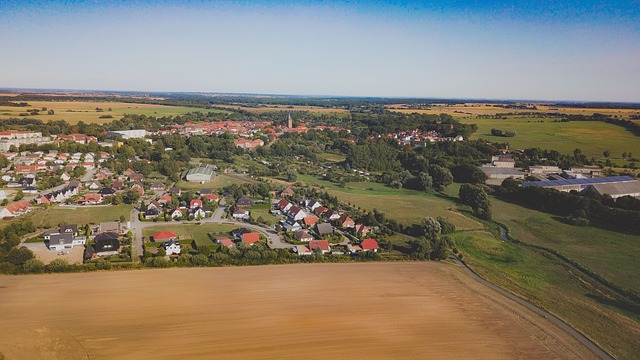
292,175
421,248
19,196
58,265
199,260
161,252
447,227
477,198
441,177
606,154
34,266
19,256
431,228
130,197
425,181
468,173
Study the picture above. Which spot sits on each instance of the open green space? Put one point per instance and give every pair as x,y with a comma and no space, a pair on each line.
55,215
403,205
264,211
609,254
190,231
218,182
592,137
332,157
546,282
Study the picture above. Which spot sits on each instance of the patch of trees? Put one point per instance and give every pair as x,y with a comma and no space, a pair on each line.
468,173
384,122
503,133
429,245
477,198
577,209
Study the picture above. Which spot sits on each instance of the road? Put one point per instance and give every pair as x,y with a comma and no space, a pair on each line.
274,240
548,316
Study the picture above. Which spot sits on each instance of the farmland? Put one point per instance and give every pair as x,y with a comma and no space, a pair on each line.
75,111
395,310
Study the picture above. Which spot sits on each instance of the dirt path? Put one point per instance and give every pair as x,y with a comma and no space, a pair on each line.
316,311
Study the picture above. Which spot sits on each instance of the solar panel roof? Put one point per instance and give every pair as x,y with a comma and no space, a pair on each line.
610,179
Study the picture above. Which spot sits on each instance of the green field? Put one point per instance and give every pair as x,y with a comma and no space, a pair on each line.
80,215
545,281
218,182
611,255
74,111
190,231
405,206
264,211
592,137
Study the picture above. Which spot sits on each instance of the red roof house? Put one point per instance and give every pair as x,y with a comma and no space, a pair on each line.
369,244
250,238
195,203
322,245
310,220
164,236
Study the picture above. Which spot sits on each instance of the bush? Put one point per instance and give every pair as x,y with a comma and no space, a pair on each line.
103,265
200,260
34,266
577,220
58,266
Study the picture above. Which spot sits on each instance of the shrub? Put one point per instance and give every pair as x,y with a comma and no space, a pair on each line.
34,266
58,266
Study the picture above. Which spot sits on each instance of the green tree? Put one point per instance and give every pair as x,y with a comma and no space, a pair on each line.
441,176
447,227
200,260
19,196
292,175
19,256
431,228
58,266
425,181
421,248
34,266
606,154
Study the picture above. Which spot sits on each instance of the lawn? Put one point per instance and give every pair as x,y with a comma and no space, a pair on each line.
544,281
218,182
403,205
199,233
592,137
74,111
611,255
264,211
55,215
332,157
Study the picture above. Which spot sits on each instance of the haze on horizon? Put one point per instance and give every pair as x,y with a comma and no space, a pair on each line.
540,50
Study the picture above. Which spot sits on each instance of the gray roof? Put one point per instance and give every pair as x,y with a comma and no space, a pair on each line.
63,239
199,171
591,181
324,228
501,171
618,189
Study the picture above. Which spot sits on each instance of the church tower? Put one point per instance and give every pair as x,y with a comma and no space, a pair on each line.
289,121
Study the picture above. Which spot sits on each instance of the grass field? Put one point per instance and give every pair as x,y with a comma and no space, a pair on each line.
264,211
80,215
218,182
610,254
545,281
405,206
592,137
74,111
190,231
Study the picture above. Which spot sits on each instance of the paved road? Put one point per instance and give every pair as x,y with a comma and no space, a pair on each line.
274,240
556,321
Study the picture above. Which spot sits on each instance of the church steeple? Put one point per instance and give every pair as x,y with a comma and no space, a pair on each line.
289,121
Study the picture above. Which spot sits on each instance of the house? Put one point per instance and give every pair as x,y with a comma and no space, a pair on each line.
195,203
225,242
175,190
296,213
251,238
237,233
284,205
320,210
302,235
137,188
163,236
301,250
319,246
69,229
59,242
154,204
241,214
361,230
324,228
289,225
156,186
16,209
205,191
211,197
151,213
175,213
94,185
244,201
171,247
313,204
106,247
345,222
198,213
65,177
248,144
26,169
118,185
353,249
369,245
165,198
107,191
331,215
108,235
137,177
310,220
90,199
288,192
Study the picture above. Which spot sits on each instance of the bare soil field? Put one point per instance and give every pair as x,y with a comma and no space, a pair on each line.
318,311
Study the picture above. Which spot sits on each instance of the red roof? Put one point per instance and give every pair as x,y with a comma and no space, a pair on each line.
226,242
369,244
211,197
195,203
319,244
282,203
251,238
310,220
164,235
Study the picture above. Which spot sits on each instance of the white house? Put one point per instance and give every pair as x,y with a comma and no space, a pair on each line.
171,247
241,214
301,250
198,213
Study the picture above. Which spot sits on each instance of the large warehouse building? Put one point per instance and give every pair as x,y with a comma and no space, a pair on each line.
199,174
615,186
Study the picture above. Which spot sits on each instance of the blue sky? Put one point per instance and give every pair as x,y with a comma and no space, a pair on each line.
545,50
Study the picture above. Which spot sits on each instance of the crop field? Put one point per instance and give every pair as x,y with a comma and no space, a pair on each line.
80,214
285,108
611,255
405,206
395,311
592,137
472,110
545,281
74,111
